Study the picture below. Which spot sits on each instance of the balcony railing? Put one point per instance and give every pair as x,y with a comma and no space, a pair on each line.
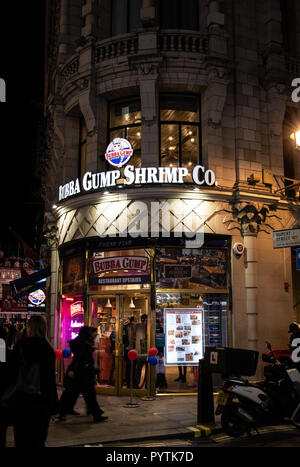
70,69
168,41
118,47
182,41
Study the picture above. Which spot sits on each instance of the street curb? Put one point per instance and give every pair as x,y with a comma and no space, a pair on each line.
204,432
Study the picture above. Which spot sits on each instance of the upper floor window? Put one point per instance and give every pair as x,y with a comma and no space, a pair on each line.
289,26
179,131
125,16
125,122
179,14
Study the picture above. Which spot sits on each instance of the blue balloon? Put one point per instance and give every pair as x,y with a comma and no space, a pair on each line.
67,353
152,360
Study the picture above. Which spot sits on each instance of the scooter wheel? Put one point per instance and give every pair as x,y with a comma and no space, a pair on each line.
231,422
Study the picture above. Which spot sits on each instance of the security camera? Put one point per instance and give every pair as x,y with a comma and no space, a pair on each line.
238,249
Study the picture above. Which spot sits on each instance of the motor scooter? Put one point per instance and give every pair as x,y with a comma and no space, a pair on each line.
275,400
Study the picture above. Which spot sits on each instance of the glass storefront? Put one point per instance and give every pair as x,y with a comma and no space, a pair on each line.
127,297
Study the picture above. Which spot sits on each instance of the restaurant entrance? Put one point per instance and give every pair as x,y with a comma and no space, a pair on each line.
123,321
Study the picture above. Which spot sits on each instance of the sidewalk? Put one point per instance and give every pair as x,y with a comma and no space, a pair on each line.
167,416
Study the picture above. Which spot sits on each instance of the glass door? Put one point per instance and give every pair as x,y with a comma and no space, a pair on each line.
122,325
104,318
134,335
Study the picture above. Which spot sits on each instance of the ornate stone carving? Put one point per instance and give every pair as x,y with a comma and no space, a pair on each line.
250,219
51,230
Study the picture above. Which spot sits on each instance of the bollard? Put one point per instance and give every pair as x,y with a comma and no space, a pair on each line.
205,409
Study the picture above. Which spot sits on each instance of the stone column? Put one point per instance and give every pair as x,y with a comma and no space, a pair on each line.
147,13
90,13
63,28
51,235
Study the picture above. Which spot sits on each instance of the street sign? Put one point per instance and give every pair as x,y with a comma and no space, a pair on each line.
286,238
298,259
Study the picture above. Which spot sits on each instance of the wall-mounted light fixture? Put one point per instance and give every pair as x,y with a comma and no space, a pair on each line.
296,138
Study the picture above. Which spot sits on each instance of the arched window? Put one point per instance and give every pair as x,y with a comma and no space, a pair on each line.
125,122
125,16
179,14
179,130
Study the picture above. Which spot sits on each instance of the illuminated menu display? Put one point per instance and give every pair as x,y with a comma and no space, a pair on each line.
184,336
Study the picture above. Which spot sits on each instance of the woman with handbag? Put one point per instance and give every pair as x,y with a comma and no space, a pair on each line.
32,372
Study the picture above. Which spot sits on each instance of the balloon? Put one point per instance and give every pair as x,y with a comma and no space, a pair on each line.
152,360
67,353
58,354
153,352
132,354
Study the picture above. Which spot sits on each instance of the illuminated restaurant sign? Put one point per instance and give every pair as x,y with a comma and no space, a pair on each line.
136,176
118,153
138,263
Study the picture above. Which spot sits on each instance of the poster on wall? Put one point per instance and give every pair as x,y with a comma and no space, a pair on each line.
184,337
73,274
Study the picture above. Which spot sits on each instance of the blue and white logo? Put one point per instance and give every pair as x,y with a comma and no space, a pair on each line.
118,152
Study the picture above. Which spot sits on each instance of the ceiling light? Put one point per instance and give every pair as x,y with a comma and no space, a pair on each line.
132,305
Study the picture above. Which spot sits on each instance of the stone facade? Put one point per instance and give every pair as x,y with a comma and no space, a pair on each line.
239,64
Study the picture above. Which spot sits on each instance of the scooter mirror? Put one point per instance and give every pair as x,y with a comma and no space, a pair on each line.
268,358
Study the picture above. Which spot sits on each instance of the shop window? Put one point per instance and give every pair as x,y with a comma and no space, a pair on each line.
125,16
125,122
72,319
191,310
179,131
179,14
82,147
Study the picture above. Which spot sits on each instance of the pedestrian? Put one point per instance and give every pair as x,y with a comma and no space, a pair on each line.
96,342
5,415
161,381
182,374
33,358
81,377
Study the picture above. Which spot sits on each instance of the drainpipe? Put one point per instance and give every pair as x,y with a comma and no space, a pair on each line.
250,243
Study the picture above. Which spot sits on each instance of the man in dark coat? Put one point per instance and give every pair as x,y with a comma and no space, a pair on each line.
80,377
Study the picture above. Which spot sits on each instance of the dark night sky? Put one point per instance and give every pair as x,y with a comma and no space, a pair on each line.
22,66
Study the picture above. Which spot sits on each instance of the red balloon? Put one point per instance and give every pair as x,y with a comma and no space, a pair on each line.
58,354
152,352
132,354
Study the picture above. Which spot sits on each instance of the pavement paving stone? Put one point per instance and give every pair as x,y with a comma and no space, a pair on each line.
163,417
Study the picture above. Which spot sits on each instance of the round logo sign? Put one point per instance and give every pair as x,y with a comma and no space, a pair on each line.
37,297
118,152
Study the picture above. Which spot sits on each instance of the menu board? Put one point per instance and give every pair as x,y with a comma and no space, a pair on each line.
183,336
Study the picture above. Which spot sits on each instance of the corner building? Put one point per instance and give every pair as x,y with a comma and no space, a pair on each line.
203,86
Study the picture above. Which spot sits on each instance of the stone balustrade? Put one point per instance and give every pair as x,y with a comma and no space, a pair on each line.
70,69
116,47
182,41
